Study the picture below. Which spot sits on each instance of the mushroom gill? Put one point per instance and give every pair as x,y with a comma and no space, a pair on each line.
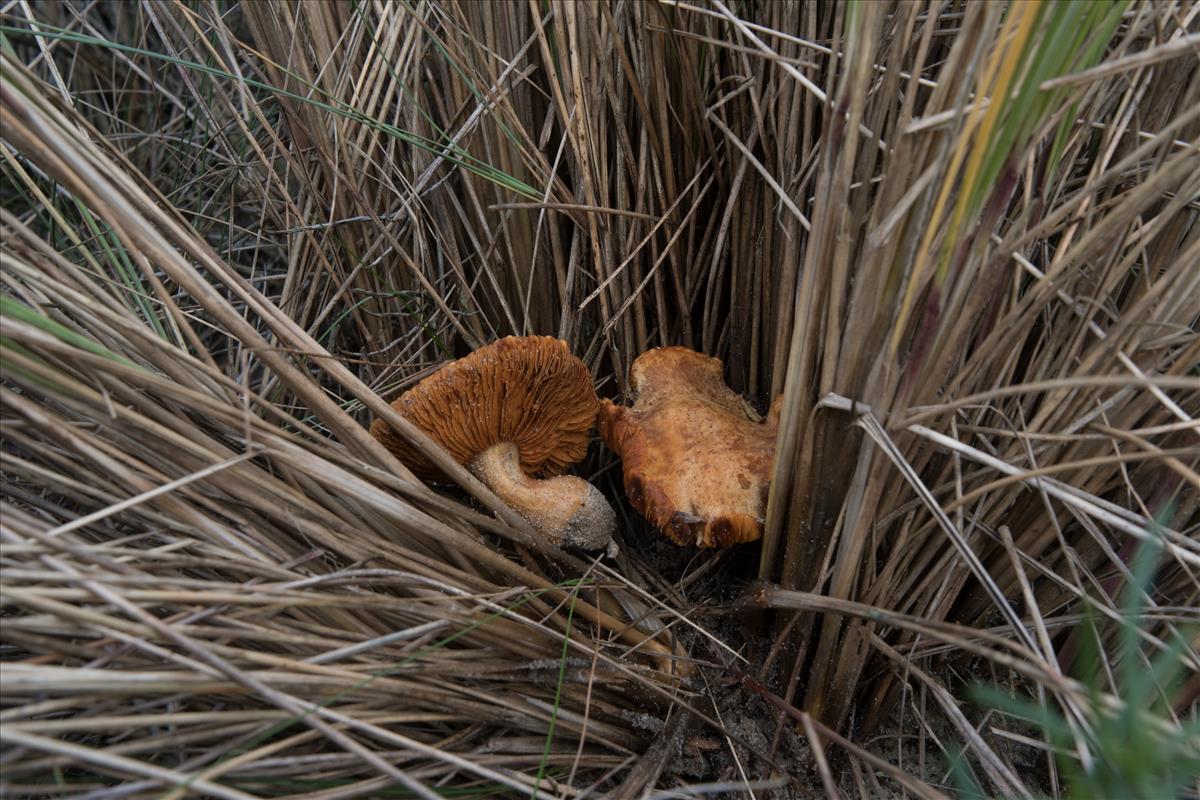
514,411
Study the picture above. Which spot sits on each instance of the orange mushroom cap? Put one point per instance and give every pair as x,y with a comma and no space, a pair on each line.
528,390
697,464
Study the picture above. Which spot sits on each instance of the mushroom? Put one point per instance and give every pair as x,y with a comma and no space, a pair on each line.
514,412
697,459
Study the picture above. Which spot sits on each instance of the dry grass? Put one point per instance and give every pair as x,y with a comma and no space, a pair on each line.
962,240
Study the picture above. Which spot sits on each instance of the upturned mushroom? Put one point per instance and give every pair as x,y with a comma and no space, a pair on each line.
517,413
696,458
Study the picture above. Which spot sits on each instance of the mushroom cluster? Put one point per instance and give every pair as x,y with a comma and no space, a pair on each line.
697,460
517,413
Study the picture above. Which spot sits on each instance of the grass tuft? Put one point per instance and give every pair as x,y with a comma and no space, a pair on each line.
959,239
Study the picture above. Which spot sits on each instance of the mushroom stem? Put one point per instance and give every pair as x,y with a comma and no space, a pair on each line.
566,510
